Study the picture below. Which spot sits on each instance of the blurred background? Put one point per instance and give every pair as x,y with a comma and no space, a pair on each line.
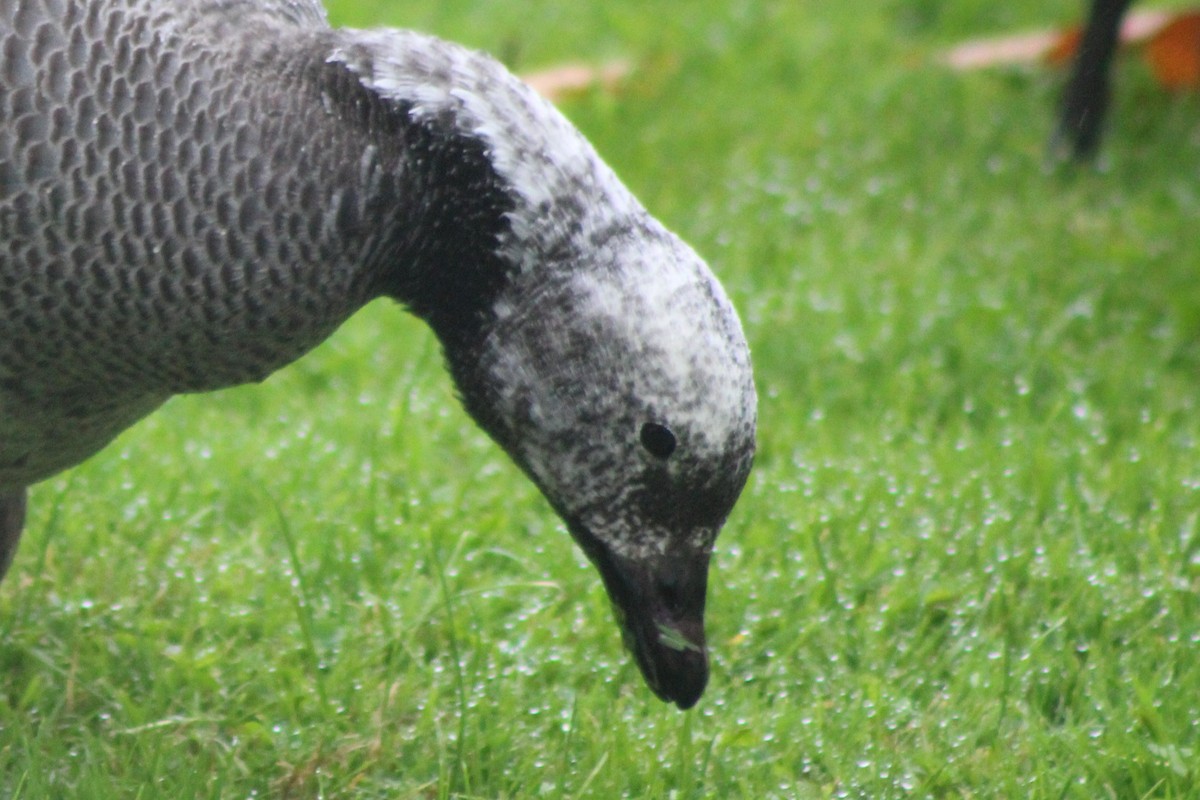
966,564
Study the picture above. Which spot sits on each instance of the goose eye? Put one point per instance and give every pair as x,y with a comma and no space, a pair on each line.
658,440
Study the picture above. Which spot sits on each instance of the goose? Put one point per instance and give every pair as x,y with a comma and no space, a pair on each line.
195,193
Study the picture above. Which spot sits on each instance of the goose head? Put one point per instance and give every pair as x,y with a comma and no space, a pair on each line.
624,390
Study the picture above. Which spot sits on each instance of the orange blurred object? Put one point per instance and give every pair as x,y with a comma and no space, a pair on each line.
1174,53
558,83
1065,46
1170,41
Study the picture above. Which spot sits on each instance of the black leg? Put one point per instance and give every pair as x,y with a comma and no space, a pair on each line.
1085,102
12,521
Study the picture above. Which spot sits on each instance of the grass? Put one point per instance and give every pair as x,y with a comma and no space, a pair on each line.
966,566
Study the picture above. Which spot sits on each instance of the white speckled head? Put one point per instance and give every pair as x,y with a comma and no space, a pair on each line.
622,384
611,365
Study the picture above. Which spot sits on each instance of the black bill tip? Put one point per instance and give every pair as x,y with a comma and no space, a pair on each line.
659,604
679,663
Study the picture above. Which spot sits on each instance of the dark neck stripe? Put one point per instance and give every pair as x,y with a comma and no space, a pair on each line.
442,208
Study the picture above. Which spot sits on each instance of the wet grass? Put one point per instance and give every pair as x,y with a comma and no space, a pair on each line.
967,564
